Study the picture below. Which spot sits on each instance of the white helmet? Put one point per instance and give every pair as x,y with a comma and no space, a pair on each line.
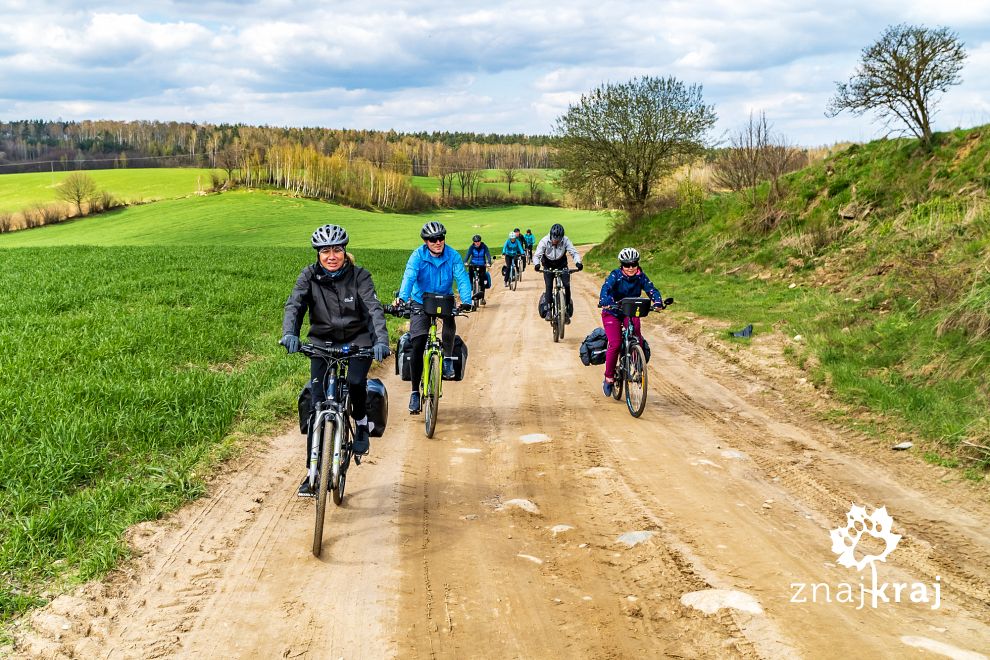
628,255
512,235
329,235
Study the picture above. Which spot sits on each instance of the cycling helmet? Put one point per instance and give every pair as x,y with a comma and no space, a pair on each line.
512,235
628,256
329,235
557,231
476,238
517,229
433,229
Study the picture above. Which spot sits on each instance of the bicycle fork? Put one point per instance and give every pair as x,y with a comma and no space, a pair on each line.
336,421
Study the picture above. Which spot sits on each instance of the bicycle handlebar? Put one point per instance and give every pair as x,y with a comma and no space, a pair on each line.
558,271
405,311
345,351
667,302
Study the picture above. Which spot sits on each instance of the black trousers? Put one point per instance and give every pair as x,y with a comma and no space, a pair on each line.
481,274
548,281
419,330
357,383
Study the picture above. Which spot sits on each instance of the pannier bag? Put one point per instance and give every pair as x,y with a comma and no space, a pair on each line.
544,306
646,349
305,408
593,348
403,357
460,358
377,407
488,280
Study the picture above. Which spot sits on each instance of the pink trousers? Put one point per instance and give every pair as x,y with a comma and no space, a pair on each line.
613,330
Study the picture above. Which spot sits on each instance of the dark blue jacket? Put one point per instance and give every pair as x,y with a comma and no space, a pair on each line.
617,286
478,256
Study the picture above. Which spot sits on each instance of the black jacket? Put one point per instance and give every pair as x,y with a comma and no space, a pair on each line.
344,309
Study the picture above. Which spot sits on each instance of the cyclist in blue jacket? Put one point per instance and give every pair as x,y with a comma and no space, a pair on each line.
477,258
513,249
626,281
529,240
432,268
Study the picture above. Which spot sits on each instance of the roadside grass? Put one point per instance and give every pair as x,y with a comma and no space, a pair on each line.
886,248
242,218
125,374
20,191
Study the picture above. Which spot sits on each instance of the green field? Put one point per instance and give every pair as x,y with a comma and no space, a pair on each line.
263,219
19,191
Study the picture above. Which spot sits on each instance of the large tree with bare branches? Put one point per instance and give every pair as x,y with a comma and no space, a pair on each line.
899,75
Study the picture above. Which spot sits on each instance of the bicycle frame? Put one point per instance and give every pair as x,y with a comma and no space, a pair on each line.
433,347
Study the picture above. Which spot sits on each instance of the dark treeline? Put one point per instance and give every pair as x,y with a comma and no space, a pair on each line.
37,145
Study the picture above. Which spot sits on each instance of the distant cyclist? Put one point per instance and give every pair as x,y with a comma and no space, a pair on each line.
626,281
552,253
477,258
343,309
433,267
530,242
513,249
522,241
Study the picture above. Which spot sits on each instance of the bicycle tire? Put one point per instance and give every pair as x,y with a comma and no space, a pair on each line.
513,277
637,381
561,313
432,395
340,482
322,484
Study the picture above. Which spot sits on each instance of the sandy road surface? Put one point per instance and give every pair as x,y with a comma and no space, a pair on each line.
503,536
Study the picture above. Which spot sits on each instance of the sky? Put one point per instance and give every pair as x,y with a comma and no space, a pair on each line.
494,67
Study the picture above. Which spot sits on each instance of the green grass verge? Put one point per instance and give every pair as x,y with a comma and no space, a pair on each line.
122,371
20,191
242,218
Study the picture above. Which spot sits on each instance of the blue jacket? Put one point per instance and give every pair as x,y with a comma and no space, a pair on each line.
513,247
478,256
427,273
617,286
530,239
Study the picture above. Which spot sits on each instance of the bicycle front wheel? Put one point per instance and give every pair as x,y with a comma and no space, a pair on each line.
636,381
432,394
339,479
561,314
513,278
322,484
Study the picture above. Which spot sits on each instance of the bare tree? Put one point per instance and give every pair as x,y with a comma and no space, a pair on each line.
535,183
899,75
632,135
757,154
510,169
76,189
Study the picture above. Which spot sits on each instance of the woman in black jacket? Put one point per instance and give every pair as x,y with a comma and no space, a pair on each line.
343,309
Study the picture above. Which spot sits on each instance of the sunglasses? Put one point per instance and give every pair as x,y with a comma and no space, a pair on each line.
435,239
334,249
630,264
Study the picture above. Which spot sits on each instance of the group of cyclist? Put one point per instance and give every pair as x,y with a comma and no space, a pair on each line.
343,307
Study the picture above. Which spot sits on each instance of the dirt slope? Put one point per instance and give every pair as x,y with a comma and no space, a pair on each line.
502,536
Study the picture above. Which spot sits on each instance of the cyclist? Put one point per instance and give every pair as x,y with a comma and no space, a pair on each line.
552,253
626,281
522,242
433,267
477,258
530,242
513,249
343,309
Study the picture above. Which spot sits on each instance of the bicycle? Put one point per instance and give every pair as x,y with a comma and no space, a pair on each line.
558,302
431,386
630,370
477,286
515,274
331,415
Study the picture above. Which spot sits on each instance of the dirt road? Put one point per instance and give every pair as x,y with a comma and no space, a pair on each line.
542,521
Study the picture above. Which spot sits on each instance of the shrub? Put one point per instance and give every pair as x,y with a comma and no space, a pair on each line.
6,222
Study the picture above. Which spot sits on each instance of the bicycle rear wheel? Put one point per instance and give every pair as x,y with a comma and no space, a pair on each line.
339,483
322,484
432,394
636,381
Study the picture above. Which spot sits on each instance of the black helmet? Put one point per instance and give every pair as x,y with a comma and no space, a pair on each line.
328,236
433,229
476,238
529,231
557,231
517,230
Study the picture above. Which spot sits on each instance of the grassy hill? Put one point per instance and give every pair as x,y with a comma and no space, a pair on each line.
19,191
877,258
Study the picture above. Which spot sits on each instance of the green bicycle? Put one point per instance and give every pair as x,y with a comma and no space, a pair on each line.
431,385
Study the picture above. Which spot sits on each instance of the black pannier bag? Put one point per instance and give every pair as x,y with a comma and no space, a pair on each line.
403,357
305,405
646,349
459,355
593,348
377,407
439,305
544,306
488,280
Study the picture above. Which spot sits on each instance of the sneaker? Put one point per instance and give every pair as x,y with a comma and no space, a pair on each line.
506,283
362,441
448,368
607,387
483,303
305,490
567,320
414,403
